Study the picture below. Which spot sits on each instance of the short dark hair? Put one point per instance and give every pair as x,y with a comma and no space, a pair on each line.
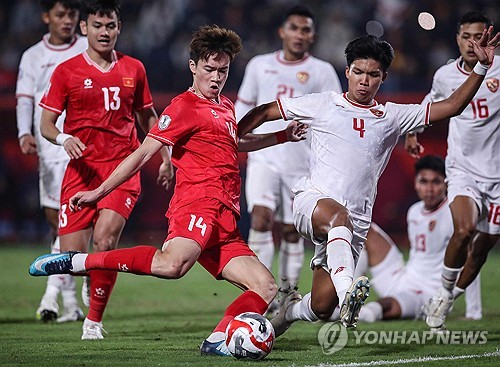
47,5
301,10
370,47
101,7
474,17
432,162
211,40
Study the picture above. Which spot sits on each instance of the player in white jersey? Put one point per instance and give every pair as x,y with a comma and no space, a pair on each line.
405,288
473,169
36,66
352,139
272,172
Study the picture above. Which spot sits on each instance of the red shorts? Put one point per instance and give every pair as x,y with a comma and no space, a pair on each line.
213,226
84,176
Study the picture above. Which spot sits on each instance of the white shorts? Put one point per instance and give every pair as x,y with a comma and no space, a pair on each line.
486,195
50,178
303,207
271,189
390,279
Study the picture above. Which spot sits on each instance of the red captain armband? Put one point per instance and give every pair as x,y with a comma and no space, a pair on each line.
281,136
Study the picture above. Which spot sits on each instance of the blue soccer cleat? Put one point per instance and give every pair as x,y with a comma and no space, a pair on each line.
52,264
214,349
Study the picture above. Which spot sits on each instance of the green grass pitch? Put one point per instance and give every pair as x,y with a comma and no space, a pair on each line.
153,322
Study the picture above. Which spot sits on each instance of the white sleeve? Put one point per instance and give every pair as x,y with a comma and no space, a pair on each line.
248,92
304,109
24,112
330,80
409,116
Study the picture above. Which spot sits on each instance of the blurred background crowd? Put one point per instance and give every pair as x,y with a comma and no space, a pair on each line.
158,32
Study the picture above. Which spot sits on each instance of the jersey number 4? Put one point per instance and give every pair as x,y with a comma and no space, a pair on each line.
359,126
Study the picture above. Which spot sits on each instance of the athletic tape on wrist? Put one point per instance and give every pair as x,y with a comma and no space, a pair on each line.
480,69
62,137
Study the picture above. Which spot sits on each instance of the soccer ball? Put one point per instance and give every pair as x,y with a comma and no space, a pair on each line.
249,336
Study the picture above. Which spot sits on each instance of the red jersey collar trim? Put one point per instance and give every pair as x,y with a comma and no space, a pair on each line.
355,104
191,89
281,58
441,205
62,47
94,64
460,68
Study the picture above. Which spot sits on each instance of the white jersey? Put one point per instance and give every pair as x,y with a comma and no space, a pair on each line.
351,144
429,233
474,136
35,69
269,77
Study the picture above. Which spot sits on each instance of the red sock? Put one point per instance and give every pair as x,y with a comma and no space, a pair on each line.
249,301
101,285
136,260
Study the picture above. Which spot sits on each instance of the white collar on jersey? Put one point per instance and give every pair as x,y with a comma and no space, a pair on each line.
53,47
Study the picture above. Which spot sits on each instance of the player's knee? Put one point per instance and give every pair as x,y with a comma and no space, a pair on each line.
104,242
341,218
465,231
322,311
262,219
290,234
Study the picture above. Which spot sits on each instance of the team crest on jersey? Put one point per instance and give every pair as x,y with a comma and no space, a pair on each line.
432,225
87,83
128,82
164,121
492,84
377,113
215,114
302,76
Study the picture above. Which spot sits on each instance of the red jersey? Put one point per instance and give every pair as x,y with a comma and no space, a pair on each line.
205,149
100,103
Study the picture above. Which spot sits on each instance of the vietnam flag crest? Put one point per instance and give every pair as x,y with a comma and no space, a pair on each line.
128,82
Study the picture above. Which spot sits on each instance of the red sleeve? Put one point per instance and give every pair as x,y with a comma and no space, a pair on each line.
142,98
56,94
174,123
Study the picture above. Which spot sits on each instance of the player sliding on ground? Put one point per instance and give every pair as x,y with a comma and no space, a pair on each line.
352,139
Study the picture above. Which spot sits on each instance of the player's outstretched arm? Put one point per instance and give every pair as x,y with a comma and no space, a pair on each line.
454,105
257,116
295,131
125,170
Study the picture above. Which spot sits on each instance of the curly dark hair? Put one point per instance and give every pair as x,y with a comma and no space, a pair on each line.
211,40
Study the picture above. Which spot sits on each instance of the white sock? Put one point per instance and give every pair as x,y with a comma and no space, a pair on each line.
55,248
68,292
449,277
457,292
263,245
362,265
371,312
301,310
78,262
336,314
290,260
52,289
339,259
216,337
473,304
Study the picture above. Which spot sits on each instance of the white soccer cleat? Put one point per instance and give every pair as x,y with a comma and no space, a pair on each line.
73,314
438,309
86,291
92,330
279,322
47,311
355,297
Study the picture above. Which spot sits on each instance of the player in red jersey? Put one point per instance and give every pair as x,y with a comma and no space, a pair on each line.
101,90
201,127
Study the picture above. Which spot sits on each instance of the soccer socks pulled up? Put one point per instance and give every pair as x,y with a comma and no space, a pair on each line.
449,277
371,312
301,310
135,260
263,245
340,260
101,285
290,260
68,292
473,304
249,301
362,266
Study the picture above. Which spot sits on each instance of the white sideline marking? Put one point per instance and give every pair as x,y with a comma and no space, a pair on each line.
411,360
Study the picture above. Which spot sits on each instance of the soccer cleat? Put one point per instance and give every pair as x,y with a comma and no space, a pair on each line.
439,308
279,322
355,297
74,314
52,264
92,330
86,291
273,309
47,311
214,349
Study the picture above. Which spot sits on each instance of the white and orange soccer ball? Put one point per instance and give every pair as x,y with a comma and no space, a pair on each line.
250,336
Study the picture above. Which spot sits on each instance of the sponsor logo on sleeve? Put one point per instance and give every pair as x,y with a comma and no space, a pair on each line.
164,121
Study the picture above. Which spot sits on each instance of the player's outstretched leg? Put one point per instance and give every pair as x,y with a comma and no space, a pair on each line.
52,264
355,297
